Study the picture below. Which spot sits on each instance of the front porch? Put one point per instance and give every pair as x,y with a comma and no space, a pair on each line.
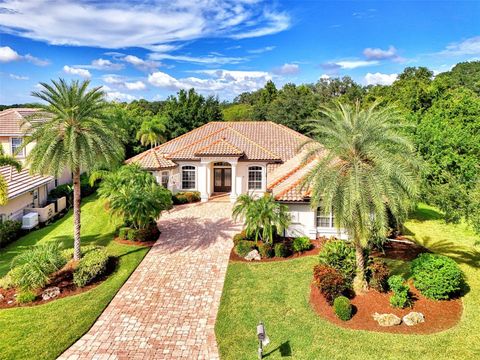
219,177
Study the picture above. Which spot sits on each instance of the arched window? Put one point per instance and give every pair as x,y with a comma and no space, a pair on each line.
188,177
255,178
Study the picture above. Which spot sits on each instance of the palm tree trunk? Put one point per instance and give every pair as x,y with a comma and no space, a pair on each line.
77,254
359,283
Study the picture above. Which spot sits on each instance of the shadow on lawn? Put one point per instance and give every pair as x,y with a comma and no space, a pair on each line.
284,349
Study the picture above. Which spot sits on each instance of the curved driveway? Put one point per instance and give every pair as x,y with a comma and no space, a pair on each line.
167,308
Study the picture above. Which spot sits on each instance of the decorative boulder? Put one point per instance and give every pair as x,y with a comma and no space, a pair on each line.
387,319
50,293
413,318
2,297
253,255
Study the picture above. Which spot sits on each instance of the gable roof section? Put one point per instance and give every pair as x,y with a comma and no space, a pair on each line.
151,160
219,147
11,120
22,182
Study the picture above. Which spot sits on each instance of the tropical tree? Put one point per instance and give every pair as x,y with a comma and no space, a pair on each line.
264,217
152,131
76,136
133,194
364,168
6,160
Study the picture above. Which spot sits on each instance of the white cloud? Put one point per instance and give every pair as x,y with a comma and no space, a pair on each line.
210,59
356,64
77,71
18,77
7,54
136,85
103,64
120,82
36,61
226,81
324,77
379,54
380,79
470,46
261,50
144,65
147,24
118,96
287,69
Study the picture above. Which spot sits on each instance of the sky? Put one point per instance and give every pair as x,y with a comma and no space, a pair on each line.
152,48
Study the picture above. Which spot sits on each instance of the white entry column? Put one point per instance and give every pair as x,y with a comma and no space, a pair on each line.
203,180
234,193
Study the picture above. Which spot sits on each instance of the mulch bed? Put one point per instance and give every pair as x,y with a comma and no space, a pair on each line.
400,249
63,279
439,315
313,251
136,243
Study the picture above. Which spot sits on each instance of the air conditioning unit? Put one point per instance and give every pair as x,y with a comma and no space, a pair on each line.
29,221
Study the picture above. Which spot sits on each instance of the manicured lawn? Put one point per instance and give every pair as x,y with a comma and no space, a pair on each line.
45,331
278,293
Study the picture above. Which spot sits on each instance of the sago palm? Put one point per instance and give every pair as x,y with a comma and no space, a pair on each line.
6,160
75,137
364,167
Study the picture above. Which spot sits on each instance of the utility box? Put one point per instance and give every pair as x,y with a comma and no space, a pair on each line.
29,221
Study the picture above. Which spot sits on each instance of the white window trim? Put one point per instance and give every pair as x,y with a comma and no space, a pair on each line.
22,153
264,178
196,177
329,216
168,179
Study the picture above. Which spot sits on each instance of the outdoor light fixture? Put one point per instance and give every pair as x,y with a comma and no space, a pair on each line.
263,339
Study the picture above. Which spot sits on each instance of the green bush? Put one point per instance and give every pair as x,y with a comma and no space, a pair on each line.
6,282
281,250
10,230
340,255
68,253
192,196
342,308
179,199
436,276
31,270
239,237
329,281
401,295
92,265
244,247
186,197
123,233
301,244
24,297
266,251
132,234
378,274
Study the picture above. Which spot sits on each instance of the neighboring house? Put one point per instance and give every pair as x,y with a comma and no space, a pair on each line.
236,158
24,190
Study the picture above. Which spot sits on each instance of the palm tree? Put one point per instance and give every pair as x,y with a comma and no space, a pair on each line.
263,217
151,131
75,137
364,166
6,160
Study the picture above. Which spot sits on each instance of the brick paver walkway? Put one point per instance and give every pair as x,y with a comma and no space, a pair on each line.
167,309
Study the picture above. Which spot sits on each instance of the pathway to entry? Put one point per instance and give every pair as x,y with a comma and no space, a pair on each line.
167,308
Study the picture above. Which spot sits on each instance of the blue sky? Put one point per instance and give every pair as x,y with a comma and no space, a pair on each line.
150,49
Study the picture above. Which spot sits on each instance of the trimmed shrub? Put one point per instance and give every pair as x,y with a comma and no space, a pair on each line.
92,265
301,244
132,234
401,296
32,269
68,253
342,308
186,197
192,196
378,275
150,233
6,282
24,297
10,230
329,281
123,233
239,237
266,251
179,199
281,250
436,276
340,255
244,247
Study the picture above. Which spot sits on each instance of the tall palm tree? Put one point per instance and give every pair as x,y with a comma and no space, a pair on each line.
152,131
75,137
6,160
364,166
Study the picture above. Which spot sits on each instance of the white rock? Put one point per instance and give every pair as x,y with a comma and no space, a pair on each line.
413,318
387,319
253,255
50,293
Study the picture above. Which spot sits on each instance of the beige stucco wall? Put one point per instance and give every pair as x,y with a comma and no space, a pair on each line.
13,209
5,142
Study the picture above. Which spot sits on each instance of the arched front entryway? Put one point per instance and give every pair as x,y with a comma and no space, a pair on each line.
222,177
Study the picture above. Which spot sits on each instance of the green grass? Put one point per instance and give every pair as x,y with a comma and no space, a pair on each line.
278,292
45,331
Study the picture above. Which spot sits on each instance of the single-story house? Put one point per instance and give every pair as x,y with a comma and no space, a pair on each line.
25,190
241,157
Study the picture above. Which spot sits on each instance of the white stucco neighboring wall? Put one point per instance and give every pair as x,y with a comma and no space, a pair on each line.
14,208
304,223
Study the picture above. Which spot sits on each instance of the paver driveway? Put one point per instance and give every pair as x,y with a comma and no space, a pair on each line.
167,309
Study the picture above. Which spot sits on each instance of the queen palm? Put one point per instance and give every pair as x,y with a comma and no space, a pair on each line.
151,131
75,137
6,160
364,166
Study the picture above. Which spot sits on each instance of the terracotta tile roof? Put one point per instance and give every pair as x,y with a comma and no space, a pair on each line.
22,182
219,147
11,120
151,160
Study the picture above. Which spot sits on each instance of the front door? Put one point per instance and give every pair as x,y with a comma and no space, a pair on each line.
222,180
